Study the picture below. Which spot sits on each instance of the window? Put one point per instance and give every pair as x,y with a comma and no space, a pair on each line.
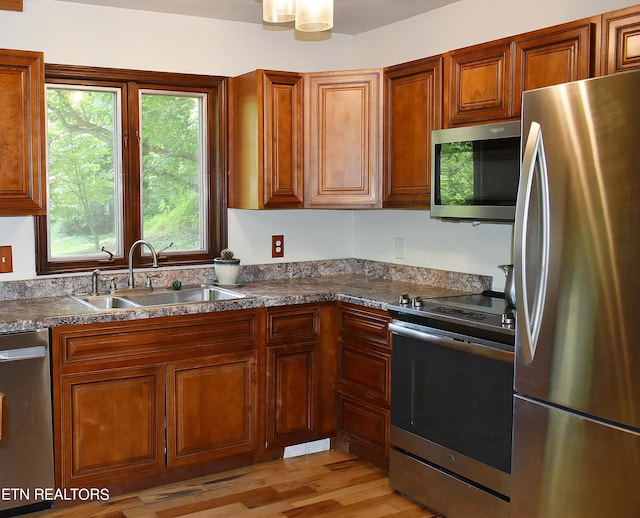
131,155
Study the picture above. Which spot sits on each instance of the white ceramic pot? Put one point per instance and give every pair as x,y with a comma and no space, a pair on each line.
227,270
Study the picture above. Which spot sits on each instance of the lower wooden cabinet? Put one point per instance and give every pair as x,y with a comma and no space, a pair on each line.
364,370
112,425
210,408
300,374
143,402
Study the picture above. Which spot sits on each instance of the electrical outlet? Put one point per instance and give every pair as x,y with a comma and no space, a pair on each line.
277,246
6,263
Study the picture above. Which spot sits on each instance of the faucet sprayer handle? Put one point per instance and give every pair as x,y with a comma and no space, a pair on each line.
159,252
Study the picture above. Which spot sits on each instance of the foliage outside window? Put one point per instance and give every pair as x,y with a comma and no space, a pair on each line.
131,155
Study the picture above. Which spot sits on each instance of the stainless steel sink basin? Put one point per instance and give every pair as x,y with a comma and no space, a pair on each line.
105,302
161,297
183,296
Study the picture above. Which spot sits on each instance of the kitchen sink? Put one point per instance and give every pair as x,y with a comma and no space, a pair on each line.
183,296
105,302
162,297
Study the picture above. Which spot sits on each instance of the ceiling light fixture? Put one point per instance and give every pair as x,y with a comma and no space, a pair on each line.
278,11
309,15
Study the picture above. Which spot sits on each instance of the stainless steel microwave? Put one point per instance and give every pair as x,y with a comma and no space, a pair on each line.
475,172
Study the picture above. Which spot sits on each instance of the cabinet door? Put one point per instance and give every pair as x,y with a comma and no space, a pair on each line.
479,84
343,130
413,96
553,56
266,140
365,370
211,407
22,133
112,426
292,394
621,40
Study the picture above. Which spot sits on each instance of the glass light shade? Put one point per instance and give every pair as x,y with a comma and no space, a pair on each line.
314,15
278,11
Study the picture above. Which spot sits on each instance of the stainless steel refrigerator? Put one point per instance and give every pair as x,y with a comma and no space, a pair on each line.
576,450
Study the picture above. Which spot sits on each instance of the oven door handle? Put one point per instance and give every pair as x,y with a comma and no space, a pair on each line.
451,343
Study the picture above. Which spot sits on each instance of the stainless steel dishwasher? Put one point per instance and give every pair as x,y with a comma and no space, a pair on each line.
26,428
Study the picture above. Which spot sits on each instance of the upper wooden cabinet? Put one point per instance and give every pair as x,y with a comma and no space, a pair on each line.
413,100
266,140
22,134
343,130
485,82
620,40
553,56
478,83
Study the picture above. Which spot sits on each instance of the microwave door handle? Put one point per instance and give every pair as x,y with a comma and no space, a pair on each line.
532,231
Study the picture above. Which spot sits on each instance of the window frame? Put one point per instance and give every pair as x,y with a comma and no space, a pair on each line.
131,82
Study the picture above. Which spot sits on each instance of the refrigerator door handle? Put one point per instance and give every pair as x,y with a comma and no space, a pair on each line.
532,232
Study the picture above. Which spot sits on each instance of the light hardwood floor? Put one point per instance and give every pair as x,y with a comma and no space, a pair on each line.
322,484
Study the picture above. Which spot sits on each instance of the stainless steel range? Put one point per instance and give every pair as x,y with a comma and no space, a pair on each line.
451,403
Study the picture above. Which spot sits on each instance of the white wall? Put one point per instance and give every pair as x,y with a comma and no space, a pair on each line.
308,234
469,22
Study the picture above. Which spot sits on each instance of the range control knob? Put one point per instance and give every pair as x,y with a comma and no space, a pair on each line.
417,302
404,299
508,318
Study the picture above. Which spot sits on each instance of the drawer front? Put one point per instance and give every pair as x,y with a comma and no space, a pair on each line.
366,323
364,429
157,338
366,371
293,325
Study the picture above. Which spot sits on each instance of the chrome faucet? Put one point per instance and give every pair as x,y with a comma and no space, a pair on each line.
131,282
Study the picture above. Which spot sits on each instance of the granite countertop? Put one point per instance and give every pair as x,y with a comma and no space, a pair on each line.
370,291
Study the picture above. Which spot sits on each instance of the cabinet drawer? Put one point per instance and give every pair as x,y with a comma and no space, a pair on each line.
365,429
367,323
365,371
293,324
159,338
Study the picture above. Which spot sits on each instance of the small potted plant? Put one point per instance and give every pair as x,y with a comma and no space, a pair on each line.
227,268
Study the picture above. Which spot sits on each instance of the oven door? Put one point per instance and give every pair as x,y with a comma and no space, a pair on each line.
452,403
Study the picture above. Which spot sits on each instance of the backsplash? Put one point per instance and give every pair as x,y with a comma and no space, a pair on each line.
163,277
